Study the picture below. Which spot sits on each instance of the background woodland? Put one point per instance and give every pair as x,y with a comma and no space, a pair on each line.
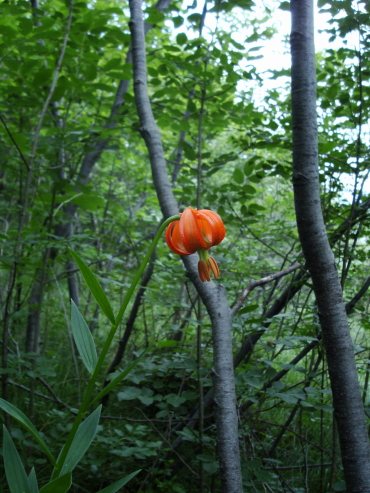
75,172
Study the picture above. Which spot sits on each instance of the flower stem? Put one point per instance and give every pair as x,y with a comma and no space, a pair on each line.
86,400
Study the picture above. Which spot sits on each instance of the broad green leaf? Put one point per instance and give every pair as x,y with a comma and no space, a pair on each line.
32,481
167,343
176,401
340,486
248,309
237,45
81,442
119,378
59,485
113,63
206,457
248,168
289,399
88,201
210,467
194,17
181,38
94,286
14,470
22,418
263,475
155,16
178,21
249,189
238,176
129,393
83,338
285,6
118,484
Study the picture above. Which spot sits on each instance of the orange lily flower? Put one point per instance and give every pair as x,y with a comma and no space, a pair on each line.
197,231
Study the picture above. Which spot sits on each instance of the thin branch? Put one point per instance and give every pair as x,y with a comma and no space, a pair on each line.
14,142
164,439
53,399
260,282
53,85
287,468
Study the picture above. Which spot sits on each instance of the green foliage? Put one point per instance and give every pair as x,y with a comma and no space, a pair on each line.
58,485
32,481
95,289
118,378
118,484
81,442
15,473
22,418
203,88
83,339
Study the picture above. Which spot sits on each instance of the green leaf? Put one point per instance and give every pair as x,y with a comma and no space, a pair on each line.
32,481
285,6
94,286
249,190
81,442
188,150
88,201
248,309
181,38
129,393
288,398
22,418
176,401
194,17
59,485
114,63
323,407
237,45
155,15
340,486
167,343
118,484
178,21
83,338
119,378
238,176
263,475
14,470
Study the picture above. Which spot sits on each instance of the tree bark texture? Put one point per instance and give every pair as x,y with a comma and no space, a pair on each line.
213,296
348,408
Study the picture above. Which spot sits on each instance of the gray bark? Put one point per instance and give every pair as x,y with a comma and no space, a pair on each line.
347,403
213,296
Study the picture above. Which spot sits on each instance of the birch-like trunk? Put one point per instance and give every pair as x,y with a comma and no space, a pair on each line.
348,408
213,296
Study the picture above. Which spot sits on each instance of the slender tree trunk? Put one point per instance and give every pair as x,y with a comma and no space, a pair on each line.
213,296
348,408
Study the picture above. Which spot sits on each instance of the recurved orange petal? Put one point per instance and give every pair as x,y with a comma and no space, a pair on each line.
173,239
215,229
190,232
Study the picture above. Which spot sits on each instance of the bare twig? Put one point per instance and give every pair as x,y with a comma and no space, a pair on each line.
260,282
169,444
53,399
14,142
